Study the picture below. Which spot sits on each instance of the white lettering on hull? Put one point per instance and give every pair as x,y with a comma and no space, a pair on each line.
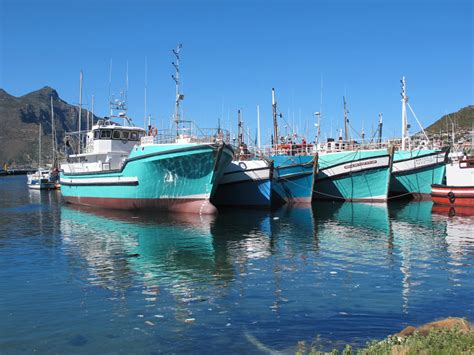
418,163
357,166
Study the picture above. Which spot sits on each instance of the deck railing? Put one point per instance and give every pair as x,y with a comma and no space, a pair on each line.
189,133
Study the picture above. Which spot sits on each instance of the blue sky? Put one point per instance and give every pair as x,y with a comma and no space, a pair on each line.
234,52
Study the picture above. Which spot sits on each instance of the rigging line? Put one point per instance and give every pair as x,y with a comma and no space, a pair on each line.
416,118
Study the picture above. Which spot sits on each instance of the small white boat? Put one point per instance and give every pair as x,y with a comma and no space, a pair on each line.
43,179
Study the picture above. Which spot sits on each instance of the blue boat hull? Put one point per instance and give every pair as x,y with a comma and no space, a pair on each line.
245,184
293,178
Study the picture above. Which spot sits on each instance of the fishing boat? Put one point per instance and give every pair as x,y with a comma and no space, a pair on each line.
294,164
246,181
459,188
415,169
355,175
352,171
128,167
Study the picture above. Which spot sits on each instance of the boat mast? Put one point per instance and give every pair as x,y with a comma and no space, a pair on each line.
80,114
39,147
275,122
318,115
179,96
346,121
146,84
258,127
405,135
92,119
53,133
240,139
380,127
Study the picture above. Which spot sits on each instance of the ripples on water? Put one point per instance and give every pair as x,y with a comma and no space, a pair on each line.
88,281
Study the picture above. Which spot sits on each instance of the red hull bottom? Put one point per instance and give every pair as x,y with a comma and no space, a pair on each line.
299,201
199,206
453,195
451,210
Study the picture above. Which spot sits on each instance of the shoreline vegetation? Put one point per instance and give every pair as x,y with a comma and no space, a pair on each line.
447,336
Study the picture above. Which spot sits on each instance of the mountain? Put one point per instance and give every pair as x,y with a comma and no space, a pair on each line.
20,119
463,122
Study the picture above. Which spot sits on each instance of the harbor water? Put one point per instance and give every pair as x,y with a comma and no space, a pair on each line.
84,280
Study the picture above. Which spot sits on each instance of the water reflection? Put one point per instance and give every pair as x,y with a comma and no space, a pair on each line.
152,247
346,271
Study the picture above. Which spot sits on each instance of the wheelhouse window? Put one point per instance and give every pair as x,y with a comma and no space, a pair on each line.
125,134
105,134
133,136
97,134
116,134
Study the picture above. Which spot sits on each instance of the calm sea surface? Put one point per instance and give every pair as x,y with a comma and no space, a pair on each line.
78,280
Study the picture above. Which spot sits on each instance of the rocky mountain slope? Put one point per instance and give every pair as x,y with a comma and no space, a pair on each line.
20,119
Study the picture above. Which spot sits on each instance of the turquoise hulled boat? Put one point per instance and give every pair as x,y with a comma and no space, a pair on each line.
126,167
179,176
414,171
293,178
359,175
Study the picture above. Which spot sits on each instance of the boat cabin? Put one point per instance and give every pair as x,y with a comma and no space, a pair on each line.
107,146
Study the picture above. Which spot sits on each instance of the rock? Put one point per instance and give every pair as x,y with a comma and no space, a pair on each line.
448,323
407,331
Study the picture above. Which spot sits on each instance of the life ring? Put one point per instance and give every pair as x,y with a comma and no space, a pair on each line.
243,165
451,196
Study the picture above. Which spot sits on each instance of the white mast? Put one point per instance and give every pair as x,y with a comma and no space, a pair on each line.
53,132
179,96
380,127
405,135
146,84
92,119
80,114
318,124
39,147
258,127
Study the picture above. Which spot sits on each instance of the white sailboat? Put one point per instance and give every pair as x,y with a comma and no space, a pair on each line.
45,179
